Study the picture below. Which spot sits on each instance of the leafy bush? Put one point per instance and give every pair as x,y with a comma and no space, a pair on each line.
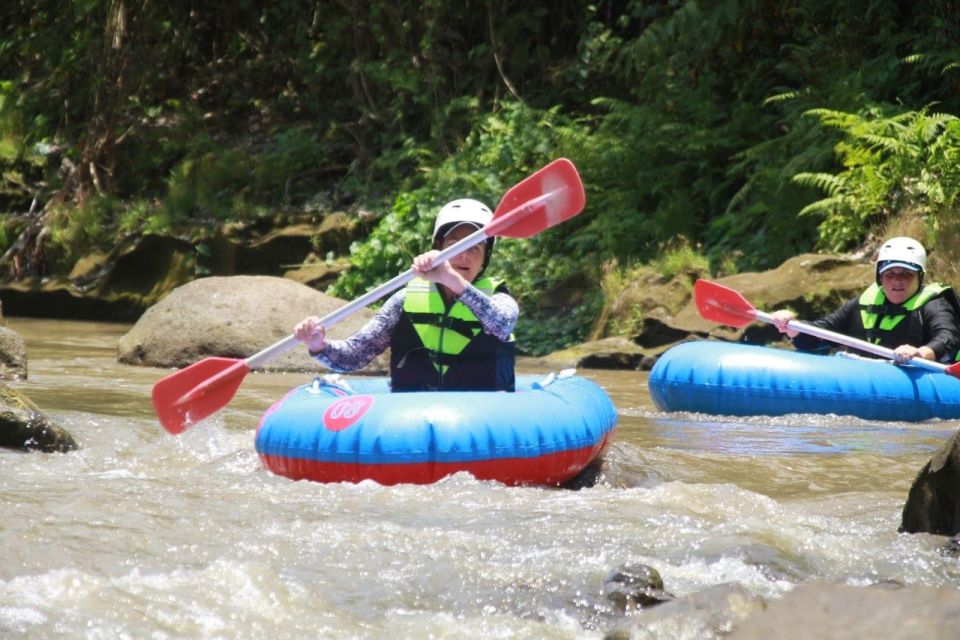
891,163
685,119
678,257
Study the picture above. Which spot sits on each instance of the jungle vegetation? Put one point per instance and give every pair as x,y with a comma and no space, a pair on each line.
726,135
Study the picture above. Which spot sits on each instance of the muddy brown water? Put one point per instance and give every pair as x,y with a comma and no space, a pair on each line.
142,534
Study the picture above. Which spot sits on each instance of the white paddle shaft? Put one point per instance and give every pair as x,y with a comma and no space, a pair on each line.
480,235
853,343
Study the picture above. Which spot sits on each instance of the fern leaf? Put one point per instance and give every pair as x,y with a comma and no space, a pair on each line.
886,143
826,182
821,207
780,97
834,118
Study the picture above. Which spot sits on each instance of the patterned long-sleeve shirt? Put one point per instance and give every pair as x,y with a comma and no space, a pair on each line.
497,315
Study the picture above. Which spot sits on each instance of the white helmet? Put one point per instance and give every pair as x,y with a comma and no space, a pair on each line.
464,211
901,252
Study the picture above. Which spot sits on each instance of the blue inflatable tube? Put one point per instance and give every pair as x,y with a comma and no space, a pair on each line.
743,380
545,433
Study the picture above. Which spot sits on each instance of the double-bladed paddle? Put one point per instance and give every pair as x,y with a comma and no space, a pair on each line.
724,305
542,200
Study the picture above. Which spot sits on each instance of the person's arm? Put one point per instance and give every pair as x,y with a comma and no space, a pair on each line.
497,313
839,321
941,329
366,344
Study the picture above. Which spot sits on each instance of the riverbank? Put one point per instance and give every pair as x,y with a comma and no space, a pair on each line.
647,316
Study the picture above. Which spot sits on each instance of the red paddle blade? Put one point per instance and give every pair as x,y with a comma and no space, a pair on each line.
718,303
554,194
953,370
186,397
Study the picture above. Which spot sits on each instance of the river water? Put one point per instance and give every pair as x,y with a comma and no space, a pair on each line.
140,534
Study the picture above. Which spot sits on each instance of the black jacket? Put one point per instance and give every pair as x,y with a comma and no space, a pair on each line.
934,325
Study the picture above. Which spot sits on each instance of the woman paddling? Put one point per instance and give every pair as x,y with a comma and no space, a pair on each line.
898,311
448,329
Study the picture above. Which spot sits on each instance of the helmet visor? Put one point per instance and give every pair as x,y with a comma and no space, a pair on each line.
892,264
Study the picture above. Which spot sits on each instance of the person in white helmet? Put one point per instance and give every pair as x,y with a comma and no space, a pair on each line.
449,329
898,311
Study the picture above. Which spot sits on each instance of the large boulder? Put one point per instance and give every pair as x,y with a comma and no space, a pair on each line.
233,317
933,504
24,426
13,355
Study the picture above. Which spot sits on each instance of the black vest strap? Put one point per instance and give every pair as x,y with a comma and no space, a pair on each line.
464,327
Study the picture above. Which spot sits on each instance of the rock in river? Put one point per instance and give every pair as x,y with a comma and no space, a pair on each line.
24,426
13,355
933,504
232,317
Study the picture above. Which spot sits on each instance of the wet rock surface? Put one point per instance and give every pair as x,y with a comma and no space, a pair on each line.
13,355
849,613
710,613
635,586
23,426
933,504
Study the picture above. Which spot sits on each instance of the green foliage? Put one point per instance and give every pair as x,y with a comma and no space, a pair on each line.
538,334
685,118
76,229
206,187
679,258
10,146
616,282
905,161
141,215
690,149
21,164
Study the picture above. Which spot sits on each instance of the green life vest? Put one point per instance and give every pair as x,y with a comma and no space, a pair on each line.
455,330
873,302
881,318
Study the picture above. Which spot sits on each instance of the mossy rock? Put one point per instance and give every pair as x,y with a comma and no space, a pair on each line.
23,426
13,355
